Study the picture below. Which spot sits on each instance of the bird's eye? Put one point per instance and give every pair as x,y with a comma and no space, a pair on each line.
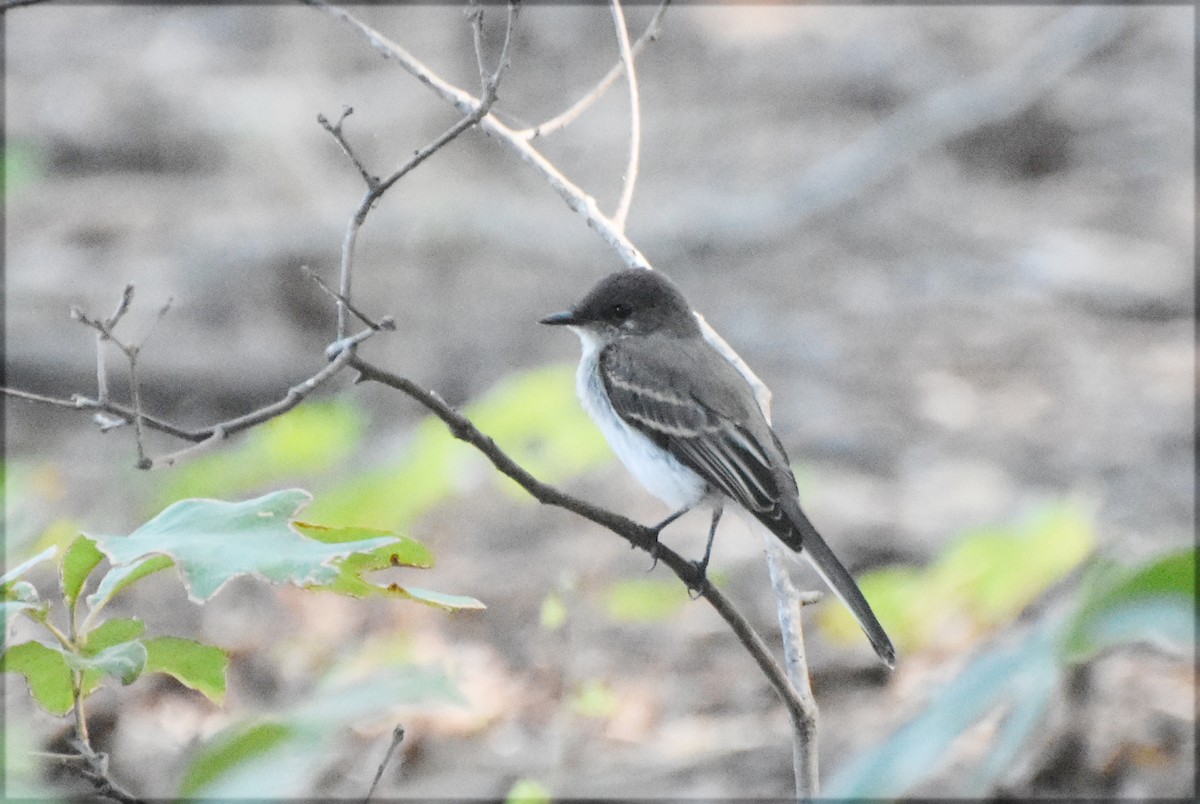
620,312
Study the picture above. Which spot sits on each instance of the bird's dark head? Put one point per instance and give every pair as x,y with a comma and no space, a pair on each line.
633,301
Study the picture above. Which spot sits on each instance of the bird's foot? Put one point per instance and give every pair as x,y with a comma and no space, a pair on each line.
696,590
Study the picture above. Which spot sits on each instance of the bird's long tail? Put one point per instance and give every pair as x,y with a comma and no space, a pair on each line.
804,539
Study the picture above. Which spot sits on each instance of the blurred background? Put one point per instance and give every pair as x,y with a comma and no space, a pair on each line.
956,243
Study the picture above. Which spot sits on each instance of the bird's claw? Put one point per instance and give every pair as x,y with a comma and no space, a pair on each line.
653,554
697,591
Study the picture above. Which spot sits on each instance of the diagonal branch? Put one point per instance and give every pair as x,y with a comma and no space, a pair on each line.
637,535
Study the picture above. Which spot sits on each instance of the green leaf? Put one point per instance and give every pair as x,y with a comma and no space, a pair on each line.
108,634
16,572
46,672
195,665
111,632
77,564
1152,602
212,542
1022,675
11,608
403,552
118,578
308,440
125,661
645,600
984,579
528,791
439,600
231,748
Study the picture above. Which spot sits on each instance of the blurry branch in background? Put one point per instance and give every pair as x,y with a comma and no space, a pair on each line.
952,111
565,118
923,124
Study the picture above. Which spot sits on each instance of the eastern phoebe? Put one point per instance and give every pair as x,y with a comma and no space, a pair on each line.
685,421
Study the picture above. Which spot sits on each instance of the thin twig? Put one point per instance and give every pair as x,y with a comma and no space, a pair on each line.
568,116
476,15
122,308
335,129
135,391
397,738
473,111
339,359
635,116
385,323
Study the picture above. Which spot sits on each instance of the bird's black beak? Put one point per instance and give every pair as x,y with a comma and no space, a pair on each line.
566,317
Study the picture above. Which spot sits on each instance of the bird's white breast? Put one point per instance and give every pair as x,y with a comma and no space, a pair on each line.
655,468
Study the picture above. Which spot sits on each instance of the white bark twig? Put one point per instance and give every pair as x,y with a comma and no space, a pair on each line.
635,116
805,753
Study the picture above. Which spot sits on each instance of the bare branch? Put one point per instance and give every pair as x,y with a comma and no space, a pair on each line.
635,116
206,437
476,16
219,434
122,308
575,198
804,728
335,129
565,118
637,535
135,391
385,323
473,111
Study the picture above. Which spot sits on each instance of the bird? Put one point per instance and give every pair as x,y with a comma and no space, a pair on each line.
686,424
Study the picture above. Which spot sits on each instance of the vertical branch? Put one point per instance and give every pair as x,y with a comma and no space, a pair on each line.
805,753
635,116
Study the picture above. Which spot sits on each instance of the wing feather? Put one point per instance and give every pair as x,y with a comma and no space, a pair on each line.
661,404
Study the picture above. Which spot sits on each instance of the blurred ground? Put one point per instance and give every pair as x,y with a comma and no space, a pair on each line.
1004,319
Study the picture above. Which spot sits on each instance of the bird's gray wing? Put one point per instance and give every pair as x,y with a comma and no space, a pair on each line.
706,428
